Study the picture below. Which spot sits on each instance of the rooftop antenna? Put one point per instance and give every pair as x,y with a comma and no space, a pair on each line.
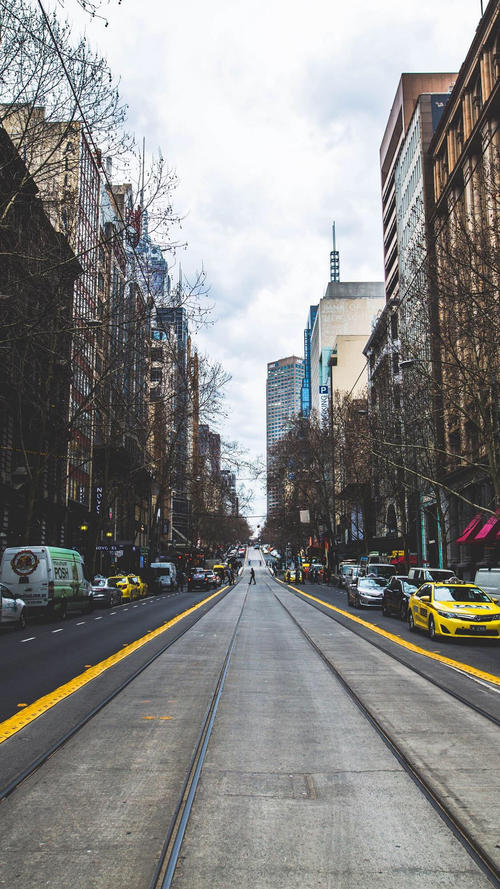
334,260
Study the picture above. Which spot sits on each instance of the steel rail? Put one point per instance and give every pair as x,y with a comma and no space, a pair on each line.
371,641
165,868
474,849
9,788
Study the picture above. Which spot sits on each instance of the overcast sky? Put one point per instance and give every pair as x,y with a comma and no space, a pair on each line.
272,114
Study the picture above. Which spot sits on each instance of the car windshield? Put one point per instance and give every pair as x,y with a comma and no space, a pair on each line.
383,570
374,583
114,581
460,593
409,587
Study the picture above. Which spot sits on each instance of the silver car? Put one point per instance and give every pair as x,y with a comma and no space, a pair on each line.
367,592
12,608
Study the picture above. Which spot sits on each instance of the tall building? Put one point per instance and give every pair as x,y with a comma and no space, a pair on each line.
305,394
37,270
465,230
416,109
283,401
410,87
348,309
68,178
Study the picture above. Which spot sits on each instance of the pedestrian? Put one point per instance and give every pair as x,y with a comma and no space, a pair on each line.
252,577
180,580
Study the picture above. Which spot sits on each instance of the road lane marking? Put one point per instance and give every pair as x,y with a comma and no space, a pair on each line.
15,723
449,662
59,630
98,618
80,623
29,639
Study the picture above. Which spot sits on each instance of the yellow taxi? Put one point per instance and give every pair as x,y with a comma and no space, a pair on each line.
141,587
130,586
454,609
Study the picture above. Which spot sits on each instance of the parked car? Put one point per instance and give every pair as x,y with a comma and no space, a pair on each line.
105,594
127,589
377,569
347,575
140,585
489,581
366,592
422,575
12,608
397,594
454,609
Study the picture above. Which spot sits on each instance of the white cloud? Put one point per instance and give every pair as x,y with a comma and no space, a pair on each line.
272,114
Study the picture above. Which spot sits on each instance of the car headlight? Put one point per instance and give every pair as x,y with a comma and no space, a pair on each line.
448,614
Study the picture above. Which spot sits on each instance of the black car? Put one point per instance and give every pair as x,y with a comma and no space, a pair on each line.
397,594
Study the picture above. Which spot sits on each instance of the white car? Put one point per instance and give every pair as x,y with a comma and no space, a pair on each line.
12,611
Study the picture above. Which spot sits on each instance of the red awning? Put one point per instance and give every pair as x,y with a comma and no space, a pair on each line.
489,530
468,532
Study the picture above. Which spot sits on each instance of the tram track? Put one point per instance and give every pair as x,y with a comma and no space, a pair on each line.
29,770
491,717
165,869
472,846
165,865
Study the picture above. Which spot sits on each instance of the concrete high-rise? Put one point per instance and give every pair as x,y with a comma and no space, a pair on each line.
283,402
347,310
410,87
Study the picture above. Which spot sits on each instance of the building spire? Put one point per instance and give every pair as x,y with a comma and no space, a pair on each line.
334,259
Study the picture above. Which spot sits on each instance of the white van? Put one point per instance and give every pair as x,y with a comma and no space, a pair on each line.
427,575
49,579
163,577
489,581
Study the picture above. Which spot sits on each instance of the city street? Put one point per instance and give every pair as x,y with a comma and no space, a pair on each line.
319,796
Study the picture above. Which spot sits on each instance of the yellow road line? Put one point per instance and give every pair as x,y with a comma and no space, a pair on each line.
465,668
15,723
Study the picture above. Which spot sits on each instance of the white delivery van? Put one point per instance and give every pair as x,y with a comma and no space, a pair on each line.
163,577
49,579
489,581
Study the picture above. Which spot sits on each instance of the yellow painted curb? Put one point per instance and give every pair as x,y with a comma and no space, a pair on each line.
465,668
12,725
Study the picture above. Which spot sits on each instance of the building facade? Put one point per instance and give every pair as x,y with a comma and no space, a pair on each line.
283,401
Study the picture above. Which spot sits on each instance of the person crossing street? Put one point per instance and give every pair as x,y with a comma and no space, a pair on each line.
252,577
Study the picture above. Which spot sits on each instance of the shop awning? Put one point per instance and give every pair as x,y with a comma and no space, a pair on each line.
489,531
468,532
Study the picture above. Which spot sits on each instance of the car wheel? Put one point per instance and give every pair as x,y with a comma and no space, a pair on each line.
403,610
411,622
431,628
22,619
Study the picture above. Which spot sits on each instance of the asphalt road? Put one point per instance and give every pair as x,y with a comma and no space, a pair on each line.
39,659
297,790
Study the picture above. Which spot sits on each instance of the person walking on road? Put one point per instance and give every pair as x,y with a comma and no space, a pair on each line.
252,577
